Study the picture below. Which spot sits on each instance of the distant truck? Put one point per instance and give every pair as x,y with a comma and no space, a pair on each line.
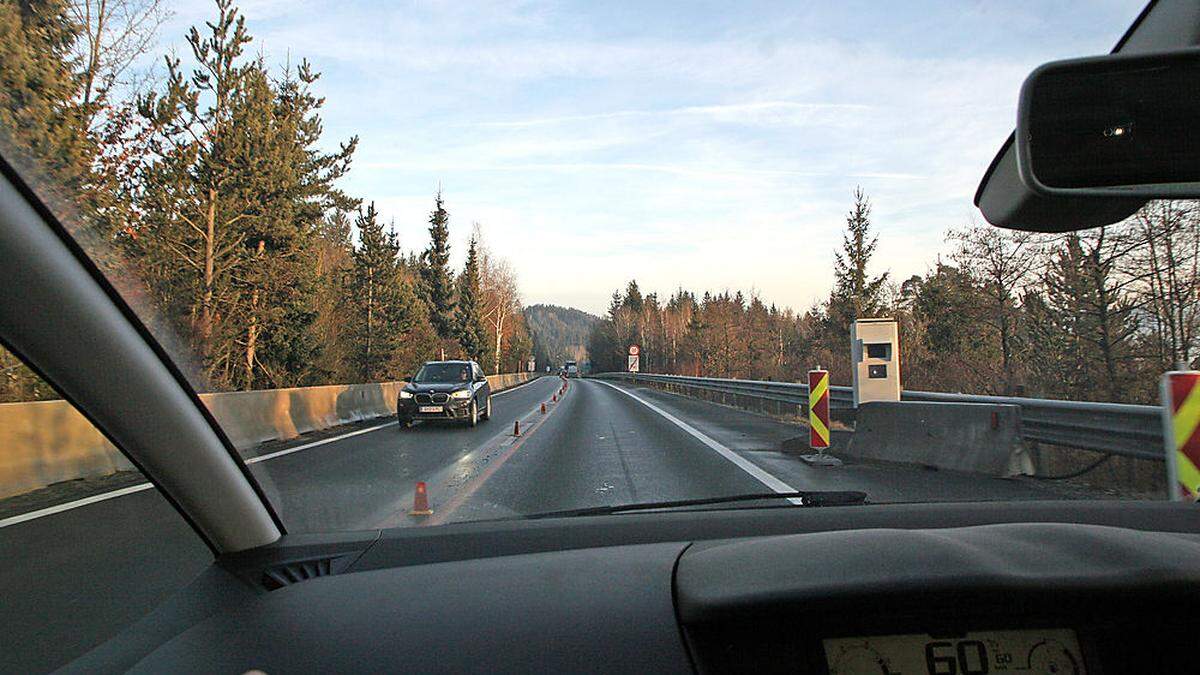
571,369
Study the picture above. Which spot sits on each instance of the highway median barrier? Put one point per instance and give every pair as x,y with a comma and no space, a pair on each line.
47,442
976,437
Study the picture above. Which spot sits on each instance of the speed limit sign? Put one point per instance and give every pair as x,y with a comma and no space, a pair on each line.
633,350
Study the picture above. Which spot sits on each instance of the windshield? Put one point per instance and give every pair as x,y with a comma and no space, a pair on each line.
699,251
443,373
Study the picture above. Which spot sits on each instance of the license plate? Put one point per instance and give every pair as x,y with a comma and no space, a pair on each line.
430,409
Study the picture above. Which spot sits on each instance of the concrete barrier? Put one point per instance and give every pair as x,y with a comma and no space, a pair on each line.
976,437
46,442
252,417
509,380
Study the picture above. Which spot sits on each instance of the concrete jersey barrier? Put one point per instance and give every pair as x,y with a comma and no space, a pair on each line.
976,437
46,442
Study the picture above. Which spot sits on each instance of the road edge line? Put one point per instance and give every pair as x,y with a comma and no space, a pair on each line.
67,506
139,487
323,441
754,470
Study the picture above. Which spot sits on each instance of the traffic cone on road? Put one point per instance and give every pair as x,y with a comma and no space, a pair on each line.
516,427
420,502
543,408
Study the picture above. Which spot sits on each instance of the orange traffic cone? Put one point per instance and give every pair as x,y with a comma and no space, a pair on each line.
420,502
543,408
516,427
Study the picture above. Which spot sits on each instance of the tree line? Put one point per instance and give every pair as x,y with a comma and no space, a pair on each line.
1092,315
560,334
208,198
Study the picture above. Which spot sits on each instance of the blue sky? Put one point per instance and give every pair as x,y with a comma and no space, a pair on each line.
708,145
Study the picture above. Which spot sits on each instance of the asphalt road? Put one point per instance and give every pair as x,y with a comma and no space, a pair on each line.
74,578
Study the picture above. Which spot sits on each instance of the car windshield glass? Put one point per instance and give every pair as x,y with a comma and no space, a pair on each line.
443,373
699,251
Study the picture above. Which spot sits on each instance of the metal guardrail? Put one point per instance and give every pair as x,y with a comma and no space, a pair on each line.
1114,428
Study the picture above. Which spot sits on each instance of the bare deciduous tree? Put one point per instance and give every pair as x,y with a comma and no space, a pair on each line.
114,34
1001,261
501,299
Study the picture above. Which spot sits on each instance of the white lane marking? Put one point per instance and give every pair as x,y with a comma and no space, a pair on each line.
59,508
323,441
67,506
742,463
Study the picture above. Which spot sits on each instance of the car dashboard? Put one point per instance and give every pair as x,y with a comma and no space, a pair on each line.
978,588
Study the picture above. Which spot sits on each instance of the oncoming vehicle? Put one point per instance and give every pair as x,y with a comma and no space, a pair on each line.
571,369
445,390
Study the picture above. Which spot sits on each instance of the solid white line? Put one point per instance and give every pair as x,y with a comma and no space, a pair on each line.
323,441
518,386
67,506
59,508
741,462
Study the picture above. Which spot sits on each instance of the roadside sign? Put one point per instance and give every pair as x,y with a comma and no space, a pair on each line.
633,363
634,350
818,409
1181,435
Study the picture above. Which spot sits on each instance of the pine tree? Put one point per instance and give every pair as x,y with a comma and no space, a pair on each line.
381,312
41,124
334,264
232,207
855,293
436,284
472,334
41,128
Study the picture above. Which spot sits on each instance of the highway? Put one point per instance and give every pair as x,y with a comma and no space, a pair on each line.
90,570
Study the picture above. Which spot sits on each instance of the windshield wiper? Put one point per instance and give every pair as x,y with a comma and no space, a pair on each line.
816,498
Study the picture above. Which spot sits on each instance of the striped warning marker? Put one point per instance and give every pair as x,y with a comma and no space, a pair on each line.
818,409
1181,417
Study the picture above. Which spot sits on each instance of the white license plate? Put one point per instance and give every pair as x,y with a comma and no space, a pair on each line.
430,409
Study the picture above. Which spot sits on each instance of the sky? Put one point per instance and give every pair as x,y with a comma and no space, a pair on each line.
704,145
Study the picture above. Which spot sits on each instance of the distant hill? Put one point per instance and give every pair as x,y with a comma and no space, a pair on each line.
559,333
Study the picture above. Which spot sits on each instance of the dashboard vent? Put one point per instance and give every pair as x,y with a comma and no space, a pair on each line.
294,572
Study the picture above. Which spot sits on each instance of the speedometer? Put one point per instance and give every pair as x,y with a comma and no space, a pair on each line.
1053,652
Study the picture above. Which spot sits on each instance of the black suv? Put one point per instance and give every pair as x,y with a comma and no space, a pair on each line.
445,390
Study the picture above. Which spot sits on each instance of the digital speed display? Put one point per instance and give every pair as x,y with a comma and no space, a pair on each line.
1054,652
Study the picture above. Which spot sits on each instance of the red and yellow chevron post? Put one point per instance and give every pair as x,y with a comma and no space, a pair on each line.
1181,433
818,409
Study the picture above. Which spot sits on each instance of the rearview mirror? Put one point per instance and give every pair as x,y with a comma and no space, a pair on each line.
1112,126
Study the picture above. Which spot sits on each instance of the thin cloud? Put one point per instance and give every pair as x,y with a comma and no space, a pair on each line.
730,112
676,169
